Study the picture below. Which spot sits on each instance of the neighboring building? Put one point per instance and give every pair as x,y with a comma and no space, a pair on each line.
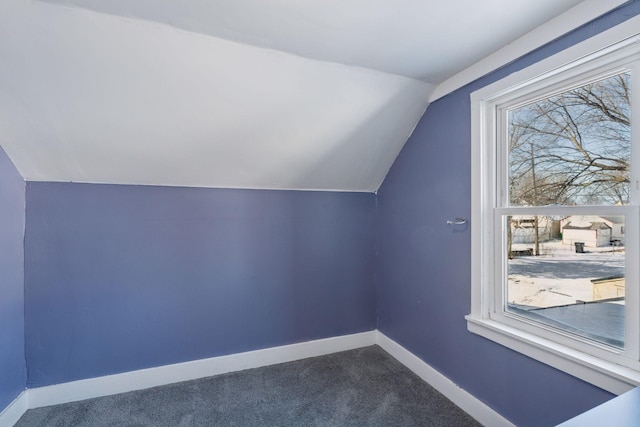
608,287
592,234
523,230
593,230
617,226
602,321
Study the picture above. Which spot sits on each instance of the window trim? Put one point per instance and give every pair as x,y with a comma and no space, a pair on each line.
606,48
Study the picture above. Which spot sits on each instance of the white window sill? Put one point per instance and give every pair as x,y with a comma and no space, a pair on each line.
606,375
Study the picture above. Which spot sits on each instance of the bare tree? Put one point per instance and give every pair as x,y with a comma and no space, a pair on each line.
573,147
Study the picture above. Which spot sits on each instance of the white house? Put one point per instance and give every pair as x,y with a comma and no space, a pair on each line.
617,226
523,230
591,233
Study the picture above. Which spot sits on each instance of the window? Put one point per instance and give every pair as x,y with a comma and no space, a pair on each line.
555,221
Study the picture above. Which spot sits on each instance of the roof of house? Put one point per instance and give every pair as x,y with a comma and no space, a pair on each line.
599,320
591,226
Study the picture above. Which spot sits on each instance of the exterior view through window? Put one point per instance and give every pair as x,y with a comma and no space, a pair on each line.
555,219
568,149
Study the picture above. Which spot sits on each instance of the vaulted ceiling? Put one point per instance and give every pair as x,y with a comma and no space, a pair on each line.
280,94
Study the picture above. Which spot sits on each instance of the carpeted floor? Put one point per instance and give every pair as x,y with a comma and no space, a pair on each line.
363,387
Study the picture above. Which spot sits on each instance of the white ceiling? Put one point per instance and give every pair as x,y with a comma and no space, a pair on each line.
425,40
284,94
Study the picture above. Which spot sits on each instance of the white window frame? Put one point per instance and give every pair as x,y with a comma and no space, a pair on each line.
608,53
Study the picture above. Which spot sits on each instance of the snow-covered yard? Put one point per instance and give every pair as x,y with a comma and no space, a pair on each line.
559,275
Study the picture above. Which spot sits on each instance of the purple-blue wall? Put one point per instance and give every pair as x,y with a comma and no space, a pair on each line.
424,271
120,278
12,360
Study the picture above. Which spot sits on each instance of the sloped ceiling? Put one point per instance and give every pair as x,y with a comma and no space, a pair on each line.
281,94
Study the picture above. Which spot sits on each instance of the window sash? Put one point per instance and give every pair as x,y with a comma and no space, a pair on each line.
630,355
497,125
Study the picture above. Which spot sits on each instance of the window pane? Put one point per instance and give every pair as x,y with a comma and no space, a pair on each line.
568,273
573,148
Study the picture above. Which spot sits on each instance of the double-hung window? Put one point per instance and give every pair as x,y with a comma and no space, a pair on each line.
555,220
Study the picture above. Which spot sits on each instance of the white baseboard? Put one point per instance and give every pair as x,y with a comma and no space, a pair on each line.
152,377
470,404
12,413
169,374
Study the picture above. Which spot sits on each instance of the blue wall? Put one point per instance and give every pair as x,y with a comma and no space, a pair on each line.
119,278
12,359
425,272
128,277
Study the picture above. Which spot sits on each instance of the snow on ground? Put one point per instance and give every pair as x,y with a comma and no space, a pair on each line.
559,275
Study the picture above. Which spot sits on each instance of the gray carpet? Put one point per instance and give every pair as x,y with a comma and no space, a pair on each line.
363,387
